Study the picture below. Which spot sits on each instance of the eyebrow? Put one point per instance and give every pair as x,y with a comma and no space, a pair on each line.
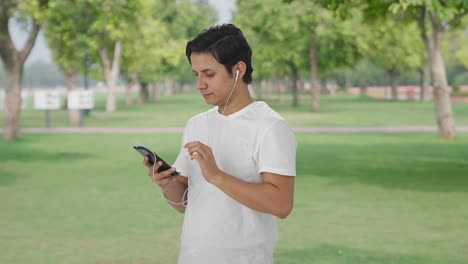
204,70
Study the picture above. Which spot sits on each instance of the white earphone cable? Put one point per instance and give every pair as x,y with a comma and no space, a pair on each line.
232,90
184,200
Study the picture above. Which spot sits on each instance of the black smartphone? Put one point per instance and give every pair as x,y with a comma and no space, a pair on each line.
151,156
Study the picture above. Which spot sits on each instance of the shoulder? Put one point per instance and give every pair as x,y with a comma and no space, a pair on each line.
266,122
266,117
201,117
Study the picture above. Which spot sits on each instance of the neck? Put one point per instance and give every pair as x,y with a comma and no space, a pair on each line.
239,99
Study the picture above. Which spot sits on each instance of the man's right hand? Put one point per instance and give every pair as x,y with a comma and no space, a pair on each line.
164,178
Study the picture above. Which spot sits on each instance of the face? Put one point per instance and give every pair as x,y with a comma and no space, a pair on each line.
213,80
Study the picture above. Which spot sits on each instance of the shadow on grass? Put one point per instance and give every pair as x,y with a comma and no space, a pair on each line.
14,155
35,155
335,254
408,166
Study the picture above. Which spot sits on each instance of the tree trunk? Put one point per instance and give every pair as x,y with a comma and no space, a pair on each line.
263,88
426,66
443,104
168,87
13,62
348,81
156,91
177,87
300,85
386,94
282,91
393,77
277,88
363,89
314,85
73,114
294,78
334,87
12,108
323,86
269,89
129,89
424,83
128,95
144,93
111,72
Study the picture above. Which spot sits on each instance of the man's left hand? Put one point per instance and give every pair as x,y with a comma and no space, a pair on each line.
204,155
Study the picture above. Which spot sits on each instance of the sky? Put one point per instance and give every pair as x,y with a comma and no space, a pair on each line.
41,50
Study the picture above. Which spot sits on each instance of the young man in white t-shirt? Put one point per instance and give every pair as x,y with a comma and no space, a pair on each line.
237,162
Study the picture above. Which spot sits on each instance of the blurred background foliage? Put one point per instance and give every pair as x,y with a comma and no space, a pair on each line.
155,32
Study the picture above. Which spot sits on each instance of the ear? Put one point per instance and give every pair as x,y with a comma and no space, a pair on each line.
241,67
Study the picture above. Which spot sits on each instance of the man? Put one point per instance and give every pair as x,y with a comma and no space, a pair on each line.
237,161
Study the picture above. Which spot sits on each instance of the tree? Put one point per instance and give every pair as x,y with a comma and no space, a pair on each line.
31,13
109,28
65,30
339,43
155,51
394,46
277,44
442,16
300,36
184,19
145,47
421,17
454,51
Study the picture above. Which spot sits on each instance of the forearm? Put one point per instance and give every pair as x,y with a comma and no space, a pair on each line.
263,197
174,194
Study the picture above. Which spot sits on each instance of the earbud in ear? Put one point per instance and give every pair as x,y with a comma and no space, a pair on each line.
237,74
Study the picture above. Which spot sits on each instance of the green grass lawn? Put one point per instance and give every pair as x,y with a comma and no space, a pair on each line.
174,111
360,198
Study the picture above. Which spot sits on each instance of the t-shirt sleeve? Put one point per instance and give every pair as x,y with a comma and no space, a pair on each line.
277,150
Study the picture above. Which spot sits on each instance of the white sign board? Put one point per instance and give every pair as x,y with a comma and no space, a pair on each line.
47,100
80,99
24,99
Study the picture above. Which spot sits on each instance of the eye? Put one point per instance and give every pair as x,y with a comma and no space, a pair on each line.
210,75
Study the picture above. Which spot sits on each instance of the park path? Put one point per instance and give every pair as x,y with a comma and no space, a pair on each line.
148,130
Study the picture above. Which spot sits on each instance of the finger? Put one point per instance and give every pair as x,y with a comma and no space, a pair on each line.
156,166
198,148
195,153
193,150
193,143
165,182
197,157
201,152
146,162
153,168
164,174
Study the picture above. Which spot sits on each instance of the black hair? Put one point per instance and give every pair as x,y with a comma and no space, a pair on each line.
228,46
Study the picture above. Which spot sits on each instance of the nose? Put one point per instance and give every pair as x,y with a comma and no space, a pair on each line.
201,84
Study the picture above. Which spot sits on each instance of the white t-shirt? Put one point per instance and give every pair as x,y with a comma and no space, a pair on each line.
217,228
